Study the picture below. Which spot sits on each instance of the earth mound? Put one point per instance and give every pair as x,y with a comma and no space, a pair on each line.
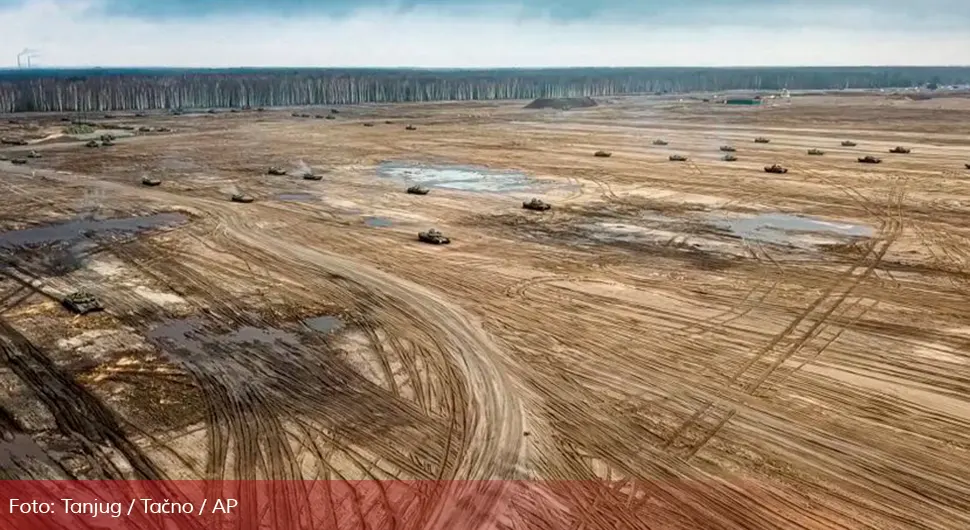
562,103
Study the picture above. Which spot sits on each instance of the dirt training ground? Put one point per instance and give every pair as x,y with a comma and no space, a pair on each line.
729,348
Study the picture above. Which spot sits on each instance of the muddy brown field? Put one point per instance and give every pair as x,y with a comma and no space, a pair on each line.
717,346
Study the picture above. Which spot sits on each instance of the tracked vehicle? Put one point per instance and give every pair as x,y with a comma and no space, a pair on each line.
603,154
900,150
848,143
418,190
761,140
775,168
433,237
148,181
82,302
536,205
816,152
677,158
242,197
660,141
869,159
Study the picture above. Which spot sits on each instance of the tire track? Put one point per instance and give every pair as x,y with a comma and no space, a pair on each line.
890,230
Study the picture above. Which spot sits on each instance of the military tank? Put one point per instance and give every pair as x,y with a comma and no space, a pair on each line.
18,161
869,159
848,143
275,170
92,143
728,148
148,181
603,154
900,150
761,140
368,124
107,141
537,205
411,128
33,154
729,158
82,302
677,158
308,175
330,117
241,197
660,141
775,168
433,237
418,190
816,152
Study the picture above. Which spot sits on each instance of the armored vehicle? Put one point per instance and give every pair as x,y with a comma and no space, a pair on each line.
761,140
241,197
148,181
537,205
900,150
848,143
729,158
433,237
411,128
418,190
677,158
603,154
276,170
92,143
660,141
816,152
869,159
82,302
728,149
775,168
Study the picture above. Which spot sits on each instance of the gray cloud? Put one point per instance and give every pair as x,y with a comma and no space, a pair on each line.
437,33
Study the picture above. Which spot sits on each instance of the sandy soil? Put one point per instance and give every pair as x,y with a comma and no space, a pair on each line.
718,373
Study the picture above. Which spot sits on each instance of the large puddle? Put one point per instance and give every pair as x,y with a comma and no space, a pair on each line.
76,230
793,230
464,178
377,222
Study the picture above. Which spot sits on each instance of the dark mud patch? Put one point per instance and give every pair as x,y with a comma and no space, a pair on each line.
78,229
61,248
599,234
276,373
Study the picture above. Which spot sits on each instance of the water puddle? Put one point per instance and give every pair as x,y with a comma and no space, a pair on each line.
377,221
296,197
464,178
794,230
324,324
192,334
76,230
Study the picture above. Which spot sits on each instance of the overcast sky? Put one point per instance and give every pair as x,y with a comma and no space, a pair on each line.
480,33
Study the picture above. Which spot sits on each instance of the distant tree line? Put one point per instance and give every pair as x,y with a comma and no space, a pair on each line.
145,89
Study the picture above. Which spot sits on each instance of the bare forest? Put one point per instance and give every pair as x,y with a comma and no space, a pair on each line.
39,90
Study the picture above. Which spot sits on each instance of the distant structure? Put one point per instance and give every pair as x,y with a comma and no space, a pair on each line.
24,57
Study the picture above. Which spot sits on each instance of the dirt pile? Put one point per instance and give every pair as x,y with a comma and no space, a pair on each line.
562,103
